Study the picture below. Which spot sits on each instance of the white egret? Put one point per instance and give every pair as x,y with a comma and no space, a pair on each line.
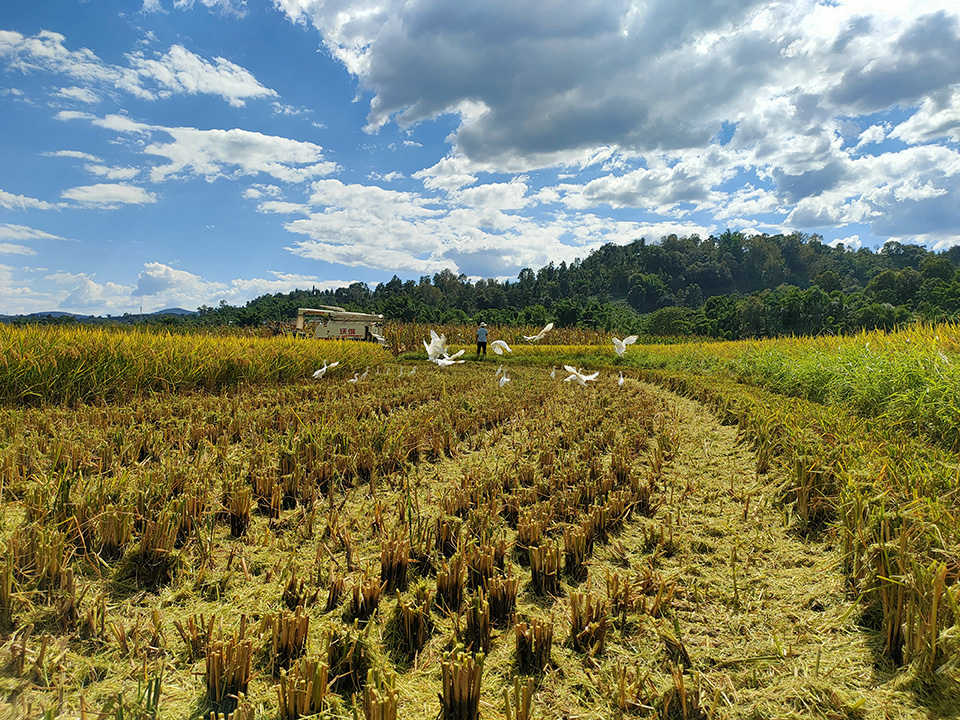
540,335
553,371
437,346
504,380
365,373
354,378
447,361
620,381
579,375
620,346
498,346
322,371
499,371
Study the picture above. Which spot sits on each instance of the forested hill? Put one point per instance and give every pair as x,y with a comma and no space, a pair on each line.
731,286
727,286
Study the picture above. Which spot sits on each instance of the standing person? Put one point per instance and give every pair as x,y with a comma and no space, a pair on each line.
482,339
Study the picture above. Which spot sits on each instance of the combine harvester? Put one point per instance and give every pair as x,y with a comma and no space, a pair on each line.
334,323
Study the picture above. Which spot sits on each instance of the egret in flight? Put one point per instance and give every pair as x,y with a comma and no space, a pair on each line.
437,347
579,375
620,346
498,346
540,335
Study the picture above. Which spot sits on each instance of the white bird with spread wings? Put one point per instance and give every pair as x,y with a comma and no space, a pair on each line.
540,335
620,346
322,371
437,347
579,375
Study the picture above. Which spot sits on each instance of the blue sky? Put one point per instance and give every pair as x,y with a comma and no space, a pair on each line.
165,153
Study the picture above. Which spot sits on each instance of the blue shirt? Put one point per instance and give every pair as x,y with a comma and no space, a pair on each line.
481,334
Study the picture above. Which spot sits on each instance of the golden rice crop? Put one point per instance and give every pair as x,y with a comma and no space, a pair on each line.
41,364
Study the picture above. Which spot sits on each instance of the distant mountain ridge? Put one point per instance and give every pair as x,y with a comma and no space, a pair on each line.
81,318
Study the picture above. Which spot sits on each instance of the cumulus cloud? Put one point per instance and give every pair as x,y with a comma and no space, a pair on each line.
159,279
176,72
217,153
668,107
485,232
210,152
109,195
937,118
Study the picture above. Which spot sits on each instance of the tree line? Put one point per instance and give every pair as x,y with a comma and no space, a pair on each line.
728,286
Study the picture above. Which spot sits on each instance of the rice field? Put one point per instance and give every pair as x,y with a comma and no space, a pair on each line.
196,527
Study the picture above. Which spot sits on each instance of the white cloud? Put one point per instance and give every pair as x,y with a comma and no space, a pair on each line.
22,202
84,95
181,72
678,107
22,232
159,279
14,249
850,243
212,153
216,153
75,154
230,7
873,134
178,71
282,208
109,195
481,233
113,173
938,118
284,283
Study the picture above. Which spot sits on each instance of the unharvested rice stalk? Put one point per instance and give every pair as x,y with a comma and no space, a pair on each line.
461,675
82,365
